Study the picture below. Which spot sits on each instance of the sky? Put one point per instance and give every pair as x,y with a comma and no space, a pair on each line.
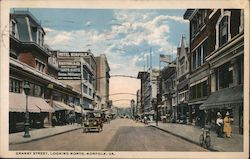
124,36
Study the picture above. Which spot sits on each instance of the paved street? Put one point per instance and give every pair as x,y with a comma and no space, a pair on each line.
119,135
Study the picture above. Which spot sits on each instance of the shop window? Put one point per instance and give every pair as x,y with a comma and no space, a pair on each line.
15,86
223,31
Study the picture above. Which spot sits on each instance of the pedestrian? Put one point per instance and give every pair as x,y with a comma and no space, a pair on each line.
227,125
219,124
145,120
54,121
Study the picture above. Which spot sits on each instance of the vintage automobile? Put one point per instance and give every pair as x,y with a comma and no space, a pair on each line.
93,121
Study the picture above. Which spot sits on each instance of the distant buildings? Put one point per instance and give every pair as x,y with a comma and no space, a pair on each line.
102,79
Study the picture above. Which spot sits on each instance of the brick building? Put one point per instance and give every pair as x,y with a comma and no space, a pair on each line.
29,62
216,63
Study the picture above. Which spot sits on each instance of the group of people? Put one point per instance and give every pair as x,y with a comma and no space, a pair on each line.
224,125
64,119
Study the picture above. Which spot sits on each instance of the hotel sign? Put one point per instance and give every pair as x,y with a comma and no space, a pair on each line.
69,70
72,54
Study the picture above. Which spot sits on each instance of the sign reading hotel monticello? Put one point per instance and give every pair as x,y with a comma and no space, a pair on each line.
69,70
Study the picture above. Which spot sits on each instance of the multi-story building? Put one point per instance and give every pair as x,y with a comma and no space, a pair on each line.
200,30
78,69
149,82
217,48
182,70
29,63
138,110
169,91
102,78
143,77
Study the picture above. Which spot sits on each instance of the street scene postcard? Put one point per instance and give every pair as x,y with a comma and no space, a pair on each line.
124,79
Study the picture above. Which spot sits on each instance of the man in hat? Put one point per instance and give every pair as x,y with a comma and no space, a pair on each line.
227,125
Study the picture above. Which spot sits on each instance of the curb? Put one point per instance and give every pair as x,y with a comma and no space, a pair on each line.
184,138
42,137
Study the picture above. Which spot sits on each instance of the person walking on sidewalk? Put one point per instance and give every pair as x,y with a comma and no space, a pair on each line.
227,125
219,124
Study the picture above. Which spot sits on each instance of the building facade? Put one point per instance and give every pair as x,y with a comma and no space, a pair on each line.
216,72
200,30
78,69
102,78
29,63
169,92
182,82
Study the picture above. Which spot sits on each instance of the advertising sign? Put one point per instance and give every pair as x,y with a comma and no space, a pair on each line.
69,70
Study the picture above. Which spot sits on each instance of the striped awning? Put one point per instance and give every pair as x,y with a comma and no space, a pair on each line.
17,103
61,106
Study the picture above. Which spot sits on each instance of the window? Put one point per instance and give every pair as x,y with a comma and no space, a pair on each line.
40,66
194,60
85,75
223,31
40,37
36,90
224,76
205,50
90,92
13,28
90,79
15,86
198,51
85,89
199,90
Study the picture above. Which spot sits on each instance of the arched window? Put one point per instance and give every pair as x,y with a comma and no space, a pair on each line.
223,31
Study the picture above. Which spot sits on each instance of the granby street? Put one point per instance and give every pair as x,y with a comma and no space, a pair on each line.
144,80
119,135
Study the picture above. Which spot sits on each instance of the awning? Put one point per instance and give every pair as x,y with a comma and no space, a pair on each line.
61,106
225,98
17,103
78,109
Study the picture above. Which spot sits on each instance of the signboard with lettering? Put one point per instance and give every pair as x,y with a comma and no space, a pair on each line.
72,54
69,70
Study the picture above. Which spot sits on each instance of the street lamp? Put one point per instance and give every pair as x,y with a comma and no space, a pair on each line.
26,88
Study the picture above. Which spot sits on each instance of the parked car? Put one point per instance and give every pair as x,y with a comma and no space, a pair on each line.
93,121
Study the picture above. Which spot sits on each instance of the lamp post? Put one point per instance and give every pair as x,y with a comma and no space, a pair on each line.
26,88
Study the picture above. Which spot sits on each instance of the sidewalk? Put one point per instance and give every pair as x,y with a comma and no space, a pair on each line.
17,138
192,133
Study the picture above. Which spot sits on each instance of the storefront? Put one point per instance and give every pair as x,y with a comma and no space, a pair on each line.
37,107
226,100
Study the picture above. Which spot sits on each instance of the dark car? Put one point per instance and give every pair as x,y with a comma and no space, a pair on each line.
93,121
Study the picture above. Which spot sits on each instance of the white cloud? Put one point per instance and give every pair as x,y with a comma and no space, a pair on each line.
88,23
129,29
